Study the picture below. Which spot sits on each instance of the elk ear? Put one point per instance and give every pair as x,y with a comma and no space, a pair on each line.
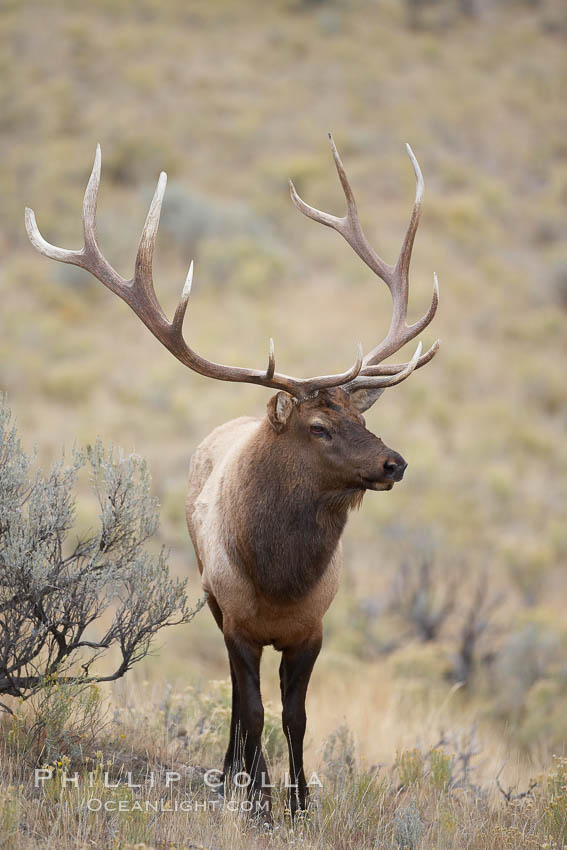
363,399
279,410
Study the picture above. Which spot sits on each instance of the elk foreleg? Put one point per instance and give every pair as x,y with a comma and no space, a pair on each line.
245,662
295,671
233,757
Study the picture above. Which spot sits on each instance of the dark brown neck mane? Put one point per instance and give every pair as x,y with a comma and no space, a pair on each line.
284,528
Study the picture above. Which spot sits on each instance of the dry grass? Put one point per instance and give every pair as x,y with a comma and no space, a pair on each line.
152,750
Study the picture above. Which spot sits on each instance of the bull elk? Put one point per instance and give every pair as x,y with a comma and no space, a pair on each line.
269,497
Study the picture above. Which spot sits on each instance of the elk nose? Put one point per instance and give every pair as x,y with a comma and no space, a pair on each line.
394,467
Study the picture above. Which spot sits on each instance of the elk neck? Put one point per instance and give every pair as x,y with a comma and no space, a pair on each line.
283,525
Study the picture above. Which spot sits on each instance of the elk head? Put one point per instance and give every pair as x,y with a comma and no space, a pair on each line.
335,448
321,414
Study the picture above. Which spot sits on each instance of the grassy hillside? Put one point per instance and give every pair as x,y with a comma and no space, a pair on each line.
232,98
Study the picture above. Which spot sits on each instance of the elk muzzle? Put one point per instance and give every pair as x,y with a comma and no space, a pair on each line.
393,468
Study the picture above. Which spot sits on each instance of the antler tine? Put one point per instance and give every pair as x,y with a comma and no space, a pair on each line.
373,382
64,255
317,215
89,204
425,320
143,275
46,248
89,257
401,270
349,195
396,368
420,184
348,226
271,362
177,323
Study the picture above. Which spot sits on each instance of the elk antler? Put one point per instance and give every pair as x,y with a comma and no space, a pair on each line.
139,294
372,375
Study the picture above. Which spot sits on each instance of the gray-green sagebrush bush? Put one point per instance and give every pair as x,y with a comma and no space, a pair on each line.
53,591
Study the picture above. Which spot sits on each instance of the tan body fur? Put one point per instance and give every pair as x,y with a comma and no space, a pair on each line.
213,482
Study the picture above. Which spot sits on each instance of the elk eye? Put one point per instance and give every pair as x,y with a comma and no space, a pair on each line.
319,431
